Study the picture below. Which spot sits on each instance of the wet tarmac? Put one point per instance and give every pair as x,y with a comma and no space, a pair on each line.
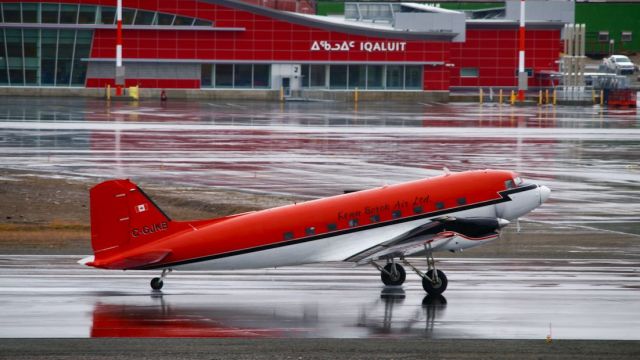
53,297
587,155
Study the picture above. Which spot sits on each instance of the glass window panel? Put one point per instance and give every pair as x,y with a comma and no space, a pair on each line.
50,13
107,15
261,76
374,76
14,43
79,72
183,21
206,75
165,19
318,76
11,13
84,37
87,14
31,76
16,76
144,17
338,76
224,75
413,77
65,45
30,13
242,76
357,77
47,71
470,72
49,44
63,72
395,77
69,14
305,75
200,22
127,16
31,40
4,78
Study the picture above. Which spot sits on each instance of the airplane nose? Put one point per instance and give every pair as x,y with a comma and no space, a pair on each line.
545,192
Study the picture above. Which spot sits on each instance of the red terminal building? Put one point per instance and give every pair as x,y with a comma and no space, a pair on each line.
229,45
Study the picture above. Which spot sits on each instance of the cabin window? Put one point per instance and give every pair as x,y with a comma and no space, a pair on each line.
396,214
332,227
462,201
439,205
310,230
417,209
287,236
375,218
509,184
353,222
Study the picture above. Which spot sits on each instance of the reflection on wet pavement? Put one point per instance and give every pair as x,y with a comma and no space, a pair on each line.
587,155
486,299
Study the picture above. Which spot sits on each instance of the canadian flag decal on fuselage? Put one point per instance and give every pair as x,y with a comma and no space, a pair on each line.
142,208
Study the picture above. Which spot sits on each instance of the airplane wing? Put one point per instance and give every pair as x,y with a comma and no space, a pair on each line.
439,233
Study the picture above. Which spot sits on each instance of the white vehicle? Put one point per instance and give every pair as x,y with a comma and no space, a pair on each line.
619,64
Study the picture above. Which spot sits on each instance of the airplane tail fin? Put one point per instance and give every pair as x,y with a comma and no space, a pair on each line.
123,217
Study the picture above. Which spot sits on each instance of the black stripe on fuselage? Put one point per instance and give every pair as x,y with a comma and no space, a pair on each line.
504,197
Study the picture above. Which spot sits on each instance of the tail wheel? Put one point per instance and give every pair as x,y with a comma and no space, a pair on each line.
393,274
434,286
156,283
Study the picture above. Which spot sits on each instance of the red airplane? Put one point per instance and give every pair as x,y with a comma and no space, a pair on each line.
451,212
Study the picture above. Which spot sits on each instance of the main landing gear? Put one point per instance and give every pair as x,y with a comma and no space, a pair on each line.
156,283
434,281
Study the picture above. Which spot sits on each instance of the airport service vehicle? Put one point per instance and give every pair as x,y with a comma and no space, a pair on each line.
380,227
619,64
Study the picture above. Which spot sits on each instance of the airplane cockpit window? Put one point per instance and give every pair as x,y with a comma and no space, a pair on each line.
513,183
509,184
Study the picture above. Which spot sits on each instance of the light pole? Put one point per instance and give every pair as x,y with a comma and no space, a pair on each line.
522,75
119,67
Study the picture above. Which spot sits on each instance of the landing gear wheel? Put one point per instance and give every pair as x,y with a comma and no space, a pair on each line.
437,287
393,276
156,283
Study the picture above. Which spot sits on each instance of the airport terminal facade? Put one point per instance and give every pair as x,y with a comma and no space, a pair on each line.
232,45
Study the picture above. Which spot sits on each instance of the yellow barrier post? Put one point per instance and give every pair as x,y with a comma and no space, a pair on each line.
108,88
601,97
540,97
546,96
554,97
133,92
500,97
512,99
355,95
281,94
481,96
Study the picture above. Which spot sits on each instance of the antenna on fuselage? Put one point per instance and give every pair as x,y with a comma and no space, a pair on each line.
446,170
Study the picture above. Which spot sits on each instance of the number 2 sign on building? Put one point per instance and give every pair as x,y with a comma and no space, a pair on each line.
369,46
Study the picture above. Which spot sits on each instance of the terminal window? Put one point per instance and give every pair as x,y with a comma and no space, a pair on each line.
626,36
469,72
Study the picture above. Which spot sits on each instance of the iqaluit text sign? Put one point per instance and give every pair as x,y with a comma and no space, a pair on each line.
367,46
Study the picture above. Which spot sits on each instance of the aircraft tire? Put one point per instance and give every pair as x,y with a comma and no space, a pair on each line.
156,283
434,289
388,279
